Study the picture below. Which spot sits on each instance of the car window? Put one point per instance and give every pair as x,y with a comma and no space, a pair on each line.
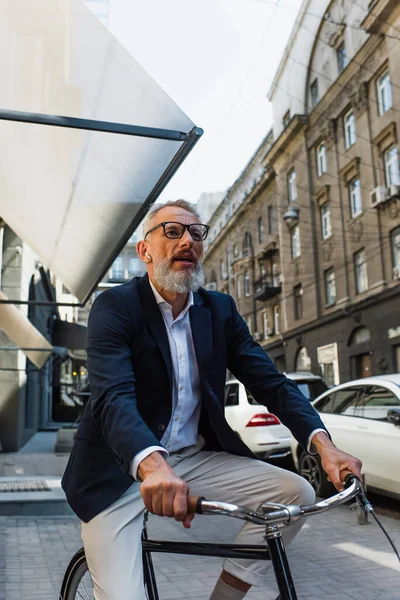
374,403
312,389
251,399
232,394
339,402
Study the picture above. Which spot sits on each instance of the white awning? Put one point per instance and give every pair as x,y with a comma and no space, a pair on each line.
23,334
75,195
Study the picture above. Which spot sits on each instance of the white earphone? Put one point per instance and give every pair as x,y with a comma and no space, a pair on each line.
148,255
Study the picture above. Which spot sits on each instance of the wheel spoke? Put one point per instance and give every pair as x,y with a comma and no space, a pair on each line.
85,588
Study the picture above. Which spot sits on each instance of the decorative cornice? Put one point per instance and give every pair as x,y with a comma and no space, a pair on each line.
296,125
378,15
322,195
351,169
386,137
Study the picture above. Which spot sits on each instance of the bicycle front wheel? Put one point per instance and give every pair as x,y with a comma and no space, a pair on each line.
77,583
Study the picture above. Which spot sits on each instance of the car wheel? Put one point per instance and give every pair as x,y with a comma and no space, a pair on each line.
311,469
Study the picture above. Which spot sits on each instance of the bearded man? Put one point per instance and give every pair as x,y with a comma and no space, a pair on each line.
154,428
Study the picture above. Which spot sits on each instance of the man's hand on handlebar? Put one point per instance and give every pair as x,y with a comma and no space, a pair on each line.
336,463
164,494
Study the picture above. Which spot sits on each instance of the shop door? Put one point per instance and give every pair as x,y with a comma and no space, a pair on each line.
363,366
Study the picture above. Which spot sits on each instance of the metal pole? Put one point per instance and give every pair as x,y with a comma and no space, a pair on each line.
93,125
41,303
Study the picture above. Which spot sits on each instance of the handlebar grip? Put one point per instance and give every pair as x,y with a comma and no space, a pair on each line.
194,504
348,480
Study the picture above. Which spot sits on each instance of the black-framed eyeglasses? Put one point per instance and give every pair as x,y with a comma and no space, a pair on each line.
174,230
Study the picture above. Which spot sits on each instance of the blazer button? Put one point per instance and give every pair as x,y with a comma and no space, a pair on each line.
160,427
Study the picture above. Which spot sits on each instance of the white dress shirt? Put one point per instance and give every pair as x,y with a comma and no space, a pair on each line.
186,396
182,429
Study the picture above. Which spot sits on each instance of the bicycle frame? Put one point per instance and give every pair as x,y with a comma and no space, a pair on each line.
274,551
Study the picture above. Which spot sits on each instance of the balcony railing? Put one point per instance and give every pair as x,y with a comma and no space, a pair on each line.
266,288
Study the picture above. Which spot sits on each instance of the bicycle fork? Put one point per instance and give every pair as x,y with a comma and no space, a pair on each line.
273,537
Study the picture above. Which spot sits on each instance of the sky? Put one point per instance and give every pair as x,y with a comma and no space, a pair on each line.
216,59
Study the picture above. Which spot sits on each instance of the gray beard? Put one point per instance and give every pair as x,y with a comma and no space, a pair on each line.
178,282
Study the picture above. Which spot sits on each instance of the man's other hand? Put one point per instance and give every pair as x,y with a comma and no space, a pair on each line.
336,463
164,494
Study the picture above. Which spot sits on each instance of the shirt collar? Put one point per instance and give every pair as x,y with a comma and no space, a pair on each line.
161,300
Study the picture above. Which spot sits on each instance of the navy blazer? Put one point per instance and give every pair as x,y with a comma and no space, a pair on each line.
130,374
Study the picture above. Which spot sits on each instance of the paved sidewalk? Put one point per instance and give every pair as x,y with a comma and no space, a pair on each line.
333,558
36,458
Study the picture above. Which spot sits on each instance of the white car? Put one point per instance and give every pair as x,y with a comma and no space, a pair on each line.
260,430
363,418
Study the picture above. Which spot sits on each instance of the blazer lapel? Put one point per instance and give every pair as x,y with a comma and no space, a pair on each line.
200,321
155,322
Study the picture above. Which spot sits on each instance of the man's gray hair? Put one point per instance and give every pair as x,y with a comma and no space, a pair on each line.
154,210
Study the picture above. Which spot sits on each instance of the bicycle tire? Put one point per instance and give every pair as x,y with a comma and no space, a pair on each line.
75,585
74,575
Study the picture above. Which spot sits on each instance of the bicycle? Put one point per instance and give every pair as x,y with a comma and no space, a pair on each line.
76,584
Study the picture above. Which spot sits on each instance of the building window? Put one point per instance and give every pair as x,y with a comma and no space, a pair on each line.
260,227
247,241
326,226
275,277
360,269
321,160
392,170
342,57
263,271
292,186
266,330
235,250
276,319
246,283
222,269
355,198
249,323
314,93
298,301
395,243
117,269
350,129
238,290
270,219
286,119
134,266
330,287
295,241
384,93
303,362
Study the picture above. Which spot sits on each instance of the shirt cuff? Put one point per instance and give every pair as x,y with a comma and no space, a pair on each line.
135,462
310,437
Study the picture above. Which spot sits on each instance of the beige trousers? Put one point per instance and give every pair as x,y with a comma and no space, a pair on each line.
112,539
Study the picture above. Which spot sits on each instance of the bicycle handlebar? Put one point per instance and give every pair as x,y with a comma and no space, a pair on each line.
273,513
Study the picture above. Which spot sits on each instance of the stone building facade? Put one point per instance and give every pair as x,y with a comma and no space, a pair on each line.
307,240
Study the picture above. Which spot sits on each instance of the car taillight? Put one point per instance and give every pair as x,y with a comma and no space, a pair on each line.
263,419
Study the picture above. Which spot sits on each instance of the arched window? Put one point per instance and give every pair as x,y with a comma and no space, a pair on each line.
303,361
247,243
359,336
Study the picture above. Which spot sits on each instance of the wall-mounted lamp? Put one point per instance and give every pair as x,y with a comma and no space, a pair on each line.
291,216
